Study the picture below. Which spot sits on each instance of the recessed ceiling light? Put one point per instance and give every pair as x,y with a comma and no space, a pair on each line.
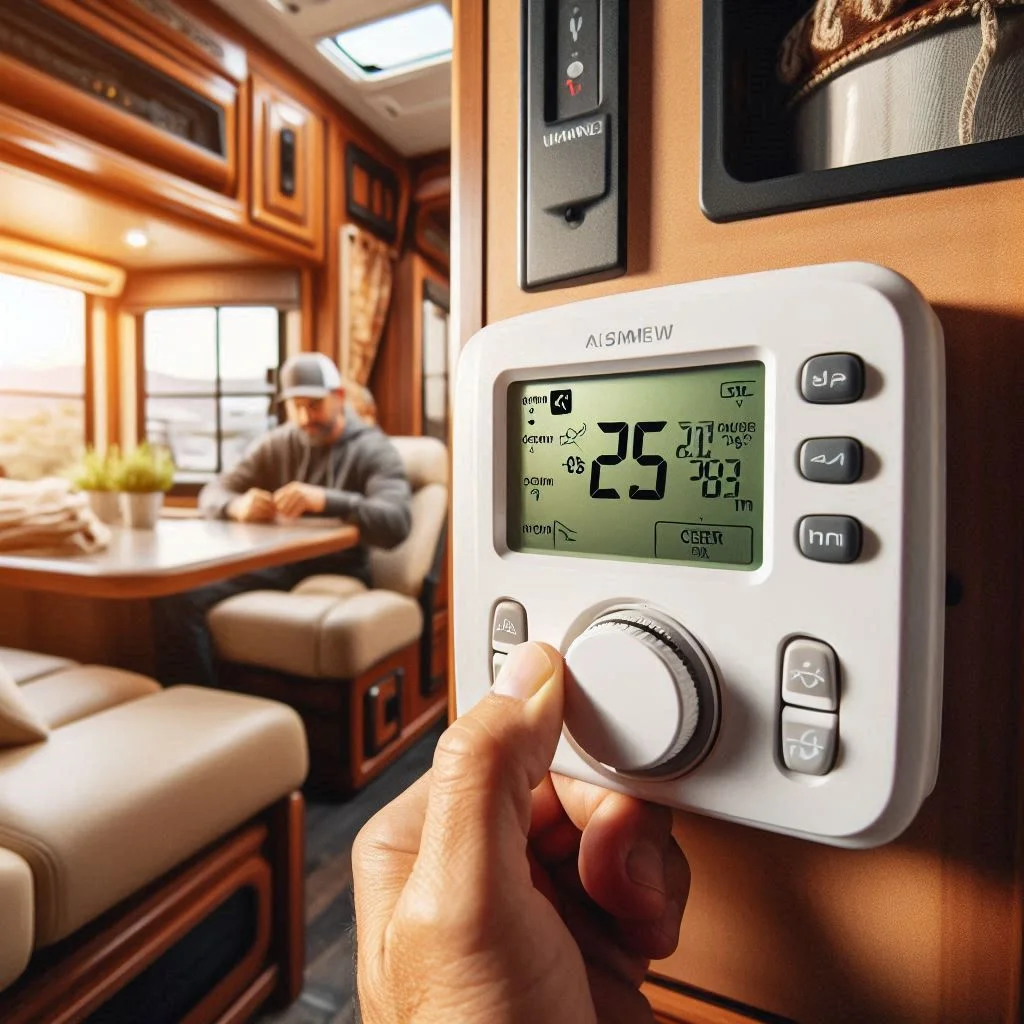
136,238
394,45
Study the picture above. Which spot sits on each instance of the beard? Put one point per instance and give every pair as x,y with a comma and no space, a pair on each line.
318,435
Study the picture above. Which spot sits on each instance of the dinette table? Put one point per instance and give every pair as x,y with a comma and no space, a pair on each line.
94,607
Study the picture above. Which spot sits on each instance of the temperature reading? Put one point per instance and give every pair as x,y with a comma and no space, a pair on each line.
657,462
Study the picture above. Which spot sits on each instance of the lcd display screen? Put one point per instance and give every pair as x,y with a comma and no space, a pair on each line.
666,466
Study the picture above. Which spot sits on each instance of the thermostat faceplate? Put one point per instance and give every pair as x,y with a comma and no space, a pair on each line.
752,618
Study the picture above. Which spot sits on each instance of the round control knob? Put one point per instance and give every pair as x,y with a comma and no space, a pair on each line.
634,694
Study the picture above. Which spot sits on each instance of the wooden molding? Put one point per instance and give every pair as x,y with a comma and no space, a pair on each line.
87,969
27,259
175,31
62,103
33,143
468,169
288,856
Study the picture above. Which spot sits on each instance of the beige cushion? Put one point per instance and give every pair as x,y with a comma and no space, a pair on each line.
330,586
366,629
314,635
16,933
271,629
66,696
425,460
19,724
116,800
404,568
26,665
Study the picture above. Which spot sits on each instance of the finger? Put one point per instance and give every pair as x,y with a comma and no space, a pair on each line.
624,849
658,938
553,836
616,1002
382,859
485,766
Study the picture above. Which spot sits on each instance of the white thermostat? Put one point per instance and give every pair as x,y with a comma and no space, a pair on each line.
724,502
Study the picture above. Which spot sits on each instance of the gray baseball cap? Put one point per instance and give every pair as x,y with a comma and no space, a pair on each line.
308,375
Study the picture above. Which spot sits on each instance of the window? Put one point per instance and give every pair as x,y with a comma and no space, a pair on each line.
396,44
43,426
209,383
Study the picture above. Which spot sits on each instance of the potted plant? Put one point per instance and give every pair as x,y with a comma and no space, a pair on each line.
96,478
143,477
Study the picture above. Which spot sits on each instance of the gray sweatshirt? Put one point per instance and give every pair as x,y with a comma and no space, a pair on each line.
361,472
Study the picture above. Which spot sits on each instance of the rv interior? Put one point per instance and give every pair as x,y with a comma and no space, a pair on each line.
801,222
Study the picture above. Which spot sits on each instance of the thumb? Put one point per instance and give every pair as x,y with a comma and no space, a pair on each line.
485,766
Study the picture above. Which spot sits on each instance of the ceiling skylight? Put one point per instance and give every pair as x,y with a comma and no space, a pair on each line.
393,45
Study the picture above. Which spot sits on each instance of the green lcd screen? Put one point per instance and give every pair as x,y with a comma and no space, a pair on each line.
662,467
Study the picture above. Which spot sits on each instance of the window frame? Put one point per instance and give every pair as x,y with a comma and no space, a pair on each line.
191,488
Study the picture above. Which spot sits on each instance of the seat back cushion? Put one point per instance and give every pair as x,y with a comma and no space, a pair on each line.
26,665
73,693
18,722
425,460
17,932
404,568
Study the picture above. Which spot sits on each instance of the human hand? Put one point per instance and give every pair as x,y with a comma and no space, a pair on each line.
255,506
492,891
295,498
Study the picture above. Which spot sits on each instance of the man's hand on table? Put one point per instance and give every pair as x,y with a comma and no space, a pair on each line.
255,506
295,499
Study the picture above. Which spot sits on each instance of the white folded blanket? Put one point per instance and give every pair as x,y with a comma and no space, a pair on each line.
46,514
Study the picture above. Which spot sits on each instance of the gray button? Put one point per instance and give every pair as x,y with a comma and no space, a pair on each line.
830,538
831,460
497,660
832,379
809,740
810,675
509,626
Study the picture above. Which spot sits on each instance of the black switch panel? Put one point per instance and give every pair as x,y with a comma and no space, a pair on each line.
573,83
287,162
572,155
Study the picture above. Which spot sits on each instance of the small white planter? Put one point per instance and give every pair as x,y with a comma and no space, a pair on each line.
141,511
105,505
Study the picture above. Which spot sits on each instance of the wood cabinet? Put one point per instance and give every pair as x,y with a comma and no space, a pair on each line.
82,69
287,164
927,928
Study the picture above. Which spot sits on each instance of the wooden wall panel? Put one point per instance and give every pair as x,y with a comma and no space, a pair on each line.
927,929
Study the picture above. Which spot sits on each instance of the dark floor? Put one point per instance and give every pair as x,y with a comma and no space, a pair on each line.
330,831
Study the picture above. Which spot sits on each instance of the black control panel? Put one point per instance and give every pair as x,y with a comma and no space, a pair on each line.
573,142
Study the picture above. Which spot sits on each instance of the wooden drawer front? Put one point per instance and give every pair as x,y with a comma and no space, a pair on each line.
66,64
287,164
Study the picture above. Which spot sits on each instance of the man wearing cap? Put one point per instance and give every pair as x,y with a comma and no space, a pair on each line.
324,461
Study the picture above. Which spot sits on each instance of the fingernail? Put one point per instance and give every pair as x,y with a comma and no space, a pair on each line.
645,866
525,671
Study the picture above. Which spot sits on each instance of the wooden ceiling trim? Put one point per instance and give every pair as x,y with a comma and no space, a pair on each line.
27,259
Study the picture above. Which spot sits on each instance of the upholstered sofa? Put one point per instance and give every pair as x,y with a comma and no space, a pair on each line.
150,847
359,665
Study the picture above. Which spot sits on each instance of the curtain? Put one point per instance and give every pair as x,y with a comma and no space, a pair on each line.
367,268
